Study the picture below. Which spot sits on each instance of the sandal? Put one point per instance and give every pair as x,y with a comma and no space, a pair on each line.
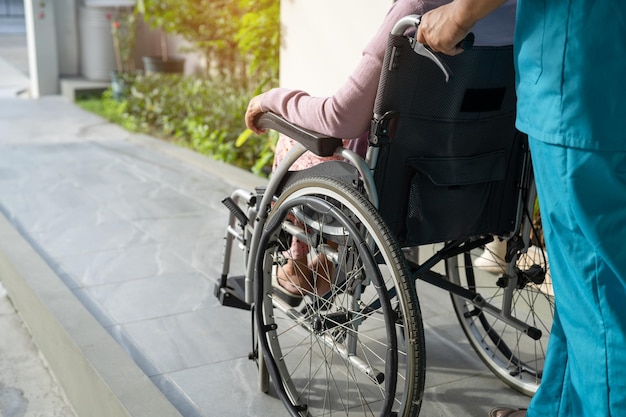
292,299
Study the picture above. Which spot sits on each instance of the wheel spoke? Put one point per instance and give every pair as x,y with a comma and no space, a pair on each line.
334,354
513,356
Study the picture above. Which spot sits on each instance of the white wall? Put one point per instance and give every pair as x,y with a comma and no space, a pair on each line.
43,63
323,40
65,12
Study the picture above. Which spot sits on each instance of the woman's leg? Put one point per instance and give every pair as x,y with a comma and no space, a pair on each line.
301,276
295,275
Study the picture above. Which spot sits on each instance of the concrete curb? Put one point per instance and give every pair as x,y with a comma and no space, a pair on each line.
97,376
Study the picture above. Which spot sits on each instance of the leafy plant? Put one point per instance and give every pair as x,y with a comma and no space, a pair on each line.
107,107
208,25
202,114
241,38
237,37
158,14
123,24
259,37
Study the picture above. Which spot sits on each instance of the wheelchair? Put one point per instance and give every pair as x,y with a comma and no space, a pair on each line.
445,169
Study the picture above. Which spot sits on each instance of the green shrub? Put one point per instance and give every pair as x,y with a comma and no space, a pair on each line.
209,25
206,115
258,37
242,40
106,106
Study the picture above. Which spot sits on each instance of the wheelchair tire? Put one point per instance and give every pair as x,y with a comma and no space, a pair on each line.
358,349
515,356
264,375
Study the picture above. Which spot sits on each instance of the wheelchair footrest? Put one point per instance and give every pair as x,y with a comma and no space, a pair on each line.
233,293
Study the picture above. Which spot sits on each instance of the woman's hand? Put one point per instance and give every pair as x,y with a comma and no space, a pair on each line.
253,110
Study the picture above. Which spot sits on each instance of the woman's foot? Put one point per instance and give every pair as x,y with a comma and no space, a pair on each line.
323,271
291,281
492,258
297,277
507,412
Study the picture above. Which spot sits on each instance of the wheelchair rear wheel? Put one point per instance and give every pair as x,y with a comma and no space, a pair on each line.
515,353
357,349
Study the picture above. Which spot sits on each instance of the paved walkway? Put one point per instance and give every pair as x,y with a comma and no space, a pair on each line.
132,228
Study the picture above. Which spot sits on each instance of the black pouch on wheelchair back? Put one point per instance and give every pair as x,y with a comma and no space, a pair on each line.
450,158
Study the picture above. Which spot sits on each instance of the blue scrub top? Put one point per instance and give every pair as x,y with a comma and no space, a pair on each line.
571,72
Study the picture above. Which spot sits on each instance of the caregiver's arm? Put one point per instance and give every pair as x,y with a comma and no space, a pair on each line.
444,27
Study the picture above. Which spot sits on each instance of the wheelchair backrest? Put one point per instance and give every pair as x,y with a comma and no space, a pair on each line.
450,159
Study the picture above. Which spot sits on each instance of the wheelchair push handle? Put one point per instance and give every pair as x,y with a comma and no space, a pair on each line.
413,21
467,42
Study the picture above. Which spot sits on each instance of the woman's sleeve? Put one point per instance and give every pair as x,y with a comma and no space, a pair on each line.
347,113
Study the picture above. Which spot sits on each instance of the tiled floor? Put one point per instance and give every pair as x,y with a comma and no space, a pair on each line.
137,235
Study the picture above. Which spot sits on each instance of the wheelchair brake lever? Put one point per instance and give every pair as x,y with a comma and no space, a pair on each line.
423,50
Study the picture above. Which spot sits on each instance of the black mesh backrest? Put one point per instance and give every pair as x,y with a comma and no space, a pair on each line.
482,85
450,155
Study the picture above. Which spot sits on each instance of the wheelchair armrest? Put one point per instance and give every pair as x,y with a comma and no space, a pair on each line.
317,143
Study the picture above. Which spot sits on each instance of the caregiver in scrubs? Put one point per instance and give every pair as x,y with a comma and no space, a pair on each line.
571,87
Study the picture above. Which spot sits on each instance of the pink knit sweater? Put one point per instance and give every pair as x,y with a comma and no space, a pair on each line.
347,113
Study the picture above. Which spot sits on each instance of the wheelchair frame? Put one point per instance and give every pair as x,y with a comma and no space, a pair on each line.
495,335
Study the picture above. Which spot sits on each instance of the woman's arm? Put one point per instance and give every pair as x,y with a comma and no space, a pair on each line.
347,113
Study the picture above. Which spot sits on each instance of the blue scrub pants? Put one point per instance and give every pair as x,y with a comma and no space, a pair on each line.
582,198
